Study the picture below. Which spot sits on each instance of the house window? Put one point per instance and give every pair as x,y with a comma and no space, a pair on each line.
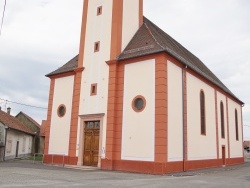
222,124
93,89
99,10
61,111
202,113
97,46
236,125
139,103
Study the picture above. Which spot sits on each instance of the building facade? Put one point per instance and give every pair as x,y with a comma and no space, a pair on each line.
135,100
18,139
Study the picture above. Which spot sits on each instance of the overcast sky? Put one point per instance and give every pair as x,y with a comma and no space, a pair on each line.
38,36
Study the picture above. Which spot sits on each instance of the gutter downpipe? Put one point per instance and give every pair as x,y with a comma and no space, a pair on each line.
183,117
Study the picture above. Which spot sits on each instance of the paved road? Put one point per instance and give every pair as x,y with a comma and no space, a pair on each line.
25,174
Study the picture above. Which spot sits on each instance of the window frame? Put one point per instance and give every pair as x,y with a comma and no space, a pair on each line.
222,121
99,11
97,46
144,103
58,110
236,124
202,113
93,89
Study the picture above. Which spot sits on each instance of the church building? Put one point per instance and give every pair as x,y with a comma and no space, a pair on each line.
136,100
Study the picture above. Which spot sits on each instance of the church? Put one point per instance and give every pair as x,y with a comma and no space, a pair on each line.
136,100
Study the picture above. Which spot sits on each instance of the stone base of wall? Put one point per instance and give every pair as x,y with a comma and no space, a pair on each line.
164,168
146,167
60,160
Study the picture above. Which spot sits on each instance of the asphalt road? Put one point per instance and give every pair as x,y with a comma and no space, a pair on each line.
25,174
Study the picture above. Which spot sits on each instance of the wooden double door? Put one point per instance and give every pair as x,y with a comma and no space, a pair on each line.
91,143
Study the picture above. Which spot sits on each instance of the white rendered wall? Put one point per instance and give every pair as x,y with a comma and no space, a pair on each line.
222,141
235,145
130,22
138,129
200,146
60,126
96,70
175,116
25,144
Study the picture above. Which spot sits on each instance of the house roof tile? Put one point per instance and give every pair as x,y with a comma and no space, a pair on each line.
13,123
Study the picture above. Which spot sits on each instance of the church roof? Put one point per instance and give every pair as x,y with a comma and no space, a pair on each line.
68,67
150,39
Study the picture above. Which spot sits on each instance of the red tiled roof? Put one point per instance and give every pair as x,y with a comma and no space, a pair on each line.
13,123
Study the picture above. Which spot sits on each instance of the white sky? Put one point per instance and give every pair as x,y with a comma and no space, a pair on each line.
39,36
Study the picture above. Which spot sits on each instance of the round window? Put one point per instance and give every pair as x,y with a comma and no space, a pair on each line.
139,103
61,110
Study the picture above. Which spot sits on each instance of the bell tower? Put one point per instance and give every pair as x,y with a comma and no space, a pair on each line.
112,23
107,28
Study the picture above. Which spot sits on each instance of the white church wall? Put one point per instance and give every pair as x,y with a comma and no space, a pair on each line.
130,22
96,70
235,145
60,126
200,146
222,141
138,129
175,116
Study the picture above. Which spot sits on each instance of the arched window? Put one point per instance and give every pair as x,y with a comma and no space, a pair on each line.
236,125
222,124
202,111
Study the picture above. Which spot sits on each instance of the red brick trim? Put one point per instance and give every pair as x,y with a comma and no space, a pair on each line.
116,29
228,138
83,33
161,109
49,114
74,114
71,73
242,138
165,167
185,120
114,113
142,166
234,161
140,12
59,160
